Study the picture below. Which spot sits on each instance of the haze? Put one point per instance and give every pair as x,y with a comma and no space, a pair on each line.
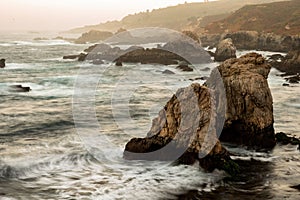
46,15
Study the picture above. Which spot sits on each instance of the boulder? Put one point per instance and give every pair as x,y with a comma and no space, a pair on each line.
249,115
225,50
119,64
2,63
282,138
185,68
184,131
19,88
168,72
290,64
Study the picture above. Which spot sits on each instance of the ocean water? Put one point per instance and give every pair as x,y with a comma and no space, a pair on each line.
46,154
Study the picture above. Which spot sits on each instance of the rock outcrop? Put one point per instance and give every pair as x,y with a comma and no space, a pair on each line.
252,40
290,63
2,63
93,36
184,131
19,88
225,50
249,115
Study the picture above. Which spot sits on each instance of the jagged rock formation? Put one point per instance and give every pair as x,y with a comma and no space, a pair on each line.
184,130
290,64
249,115
2,63
225,50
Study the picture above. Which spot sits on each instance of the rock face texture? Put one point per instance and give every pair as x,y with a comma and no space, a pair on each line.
183,131
2,63
249,115
225,50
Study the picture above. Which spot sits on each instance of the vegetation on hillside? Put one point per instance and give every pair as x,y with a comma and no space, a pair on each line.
183,16
279,18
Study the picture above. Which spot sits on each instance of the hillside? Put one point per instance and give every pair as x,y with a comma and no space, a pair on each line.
279,18
175,17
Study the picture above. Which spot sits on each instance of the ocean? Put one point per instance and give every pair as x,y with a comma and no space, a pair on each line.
46,154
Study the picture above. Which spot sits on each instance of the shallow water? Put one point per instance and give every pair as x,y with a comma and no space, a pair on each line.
44,156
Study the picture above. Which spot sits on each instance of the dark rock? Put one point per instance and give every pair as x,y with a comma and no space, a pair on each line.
150,56
119,64
297,187
82,57
184,131
249,115
185,68
71,57
290,64
284,139
2,63
285,84
276,57
225,50
293,79
168,72
19,88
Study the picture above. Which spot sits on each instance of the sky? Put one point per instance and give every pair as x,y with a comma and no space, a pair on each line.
53,15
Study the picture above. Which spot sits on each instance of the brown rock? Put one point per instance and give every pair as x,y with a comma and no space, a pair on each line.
183,131
225,50
249,115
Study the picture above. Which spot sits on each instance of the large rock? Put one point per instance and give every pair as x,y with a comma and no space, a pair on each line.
249,115
184,130
225,50
2,63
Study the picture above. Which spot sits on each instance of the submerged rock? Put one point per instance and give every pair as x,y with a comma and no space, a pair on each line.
185,68
168,72
225,50
2,63
249,115
284,139
184,131
19,88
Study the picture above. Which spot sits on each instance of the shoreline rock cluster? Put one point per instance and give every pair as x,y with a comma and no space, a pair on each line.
252,40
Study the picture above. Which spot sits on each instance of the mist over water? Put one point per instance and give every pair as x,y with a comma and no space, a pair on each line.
43,157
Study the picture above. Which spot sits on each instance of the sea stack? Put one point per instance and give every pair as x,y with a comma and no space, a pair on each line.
2,63
185,131
249,115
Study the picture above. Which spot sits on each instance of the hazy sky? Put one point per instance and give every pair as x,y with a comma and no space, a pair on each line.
66,14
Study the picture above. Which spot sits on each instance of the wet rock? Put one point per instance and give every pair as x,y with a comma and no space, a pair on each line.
293,79
285,84
284,139
82,57
2,63
297,187
290,64
184,131
119,64
225,50
19,88
185,68
249,115
168,72
150,56
71,57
